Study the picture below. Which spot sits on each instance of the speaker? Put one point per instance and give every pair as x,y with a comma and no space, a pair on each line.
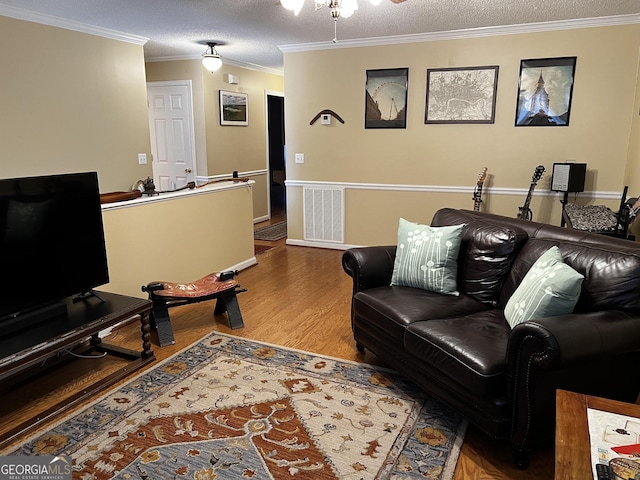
568,177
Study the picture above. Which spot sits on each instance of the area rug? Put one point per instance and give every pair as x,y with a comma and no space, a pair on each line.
230,408
273,232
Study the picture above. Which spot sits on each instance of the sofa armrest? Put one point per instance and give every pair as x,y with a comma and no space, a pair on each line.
369,267
569,339
587,353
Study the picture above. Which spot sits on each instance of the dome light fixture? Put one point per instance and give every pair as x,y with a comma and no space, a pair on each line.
211,59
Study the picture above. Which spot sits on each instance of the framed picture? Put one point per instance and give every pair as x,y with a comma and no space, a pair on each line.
544,92
461,95
386,98
234,108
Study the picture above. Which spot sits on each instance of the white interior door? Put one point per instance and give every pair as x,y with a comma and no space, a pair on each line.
172,133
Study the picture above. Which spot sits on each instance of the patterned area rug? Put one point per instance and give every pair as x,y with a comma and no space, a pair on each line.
229,408
272,232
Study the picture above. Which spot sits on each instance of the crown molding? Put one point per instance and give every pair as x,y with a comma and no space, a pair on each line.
29,16
225,61
468,33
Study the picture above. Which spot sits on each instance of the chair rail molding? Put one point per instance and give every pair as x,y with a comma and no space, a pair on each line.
607,195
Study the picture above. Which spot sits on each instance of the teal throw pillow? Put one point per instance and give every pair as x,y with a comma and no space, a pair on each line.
427,257
550,288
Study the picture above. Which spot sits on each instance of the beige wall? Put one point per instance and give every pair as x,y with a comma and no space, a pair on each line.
71,102
223,149
80,104
603,130
208,231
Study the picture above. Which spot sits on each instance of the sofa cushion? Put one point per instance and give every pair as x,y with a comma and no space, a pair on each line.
392,309
470,350
549,288
599,263
426,257
487,251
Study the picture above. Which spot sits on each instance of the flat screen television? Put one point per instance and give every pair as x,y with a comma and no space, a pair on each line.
52,245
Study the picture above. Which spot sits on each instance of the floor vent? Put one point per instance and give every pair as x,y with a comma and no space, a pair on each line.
324,214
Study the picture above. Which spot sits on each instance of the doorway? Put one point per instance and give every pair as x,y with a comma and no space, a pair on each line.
276,156
172,134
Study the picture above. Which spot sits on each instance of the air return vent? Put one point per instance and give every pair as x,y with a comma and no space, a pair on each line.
324,214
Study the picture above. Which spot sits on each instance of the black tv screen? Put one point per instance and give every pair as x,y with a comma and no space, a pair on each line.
51,241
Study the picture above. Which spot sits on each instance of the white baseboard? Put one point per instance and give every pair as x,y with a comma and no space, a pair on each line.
329,245
244,264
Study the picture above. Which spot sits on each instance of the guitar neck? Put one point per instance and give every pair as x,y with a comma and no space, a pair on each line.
477,192
477,198
524,211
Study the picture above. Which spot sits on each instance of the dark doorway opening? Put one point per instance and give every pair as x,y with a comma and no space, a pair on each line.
277,171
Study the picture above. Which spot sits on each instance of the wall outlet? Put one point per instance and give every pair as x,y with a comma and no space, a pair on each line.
299,157
142,159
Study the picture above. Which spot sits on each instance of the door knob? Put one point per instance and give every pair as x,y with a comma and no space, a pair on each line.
187,170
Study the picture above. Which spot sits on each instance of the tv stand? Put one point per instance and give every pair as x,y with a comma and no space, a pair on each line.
26,319
24,352
85,295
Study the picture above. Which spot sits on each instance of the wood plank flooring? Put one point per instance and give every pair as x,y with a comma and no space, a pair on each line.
298,297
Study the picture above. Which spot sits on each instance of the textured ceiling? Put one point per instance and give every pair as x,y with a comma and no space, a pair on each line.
252,30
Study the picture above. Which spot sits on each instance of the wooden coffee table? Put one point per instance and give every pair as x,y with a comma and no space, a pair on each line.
573,449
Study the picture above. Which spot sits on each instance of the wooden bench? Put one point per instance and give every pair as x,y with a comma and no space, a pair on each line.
164,295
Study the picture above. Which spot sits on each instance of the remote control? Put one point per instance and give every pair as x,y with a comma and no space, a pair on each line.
604,472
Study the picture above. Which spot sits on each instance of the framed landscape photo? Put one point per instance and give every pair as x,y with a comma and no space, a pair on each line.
461,95
234,108
386,98
545,88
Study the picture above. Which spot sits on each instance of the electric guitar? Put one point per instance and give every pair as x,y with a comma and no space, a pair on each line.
477,192
524,212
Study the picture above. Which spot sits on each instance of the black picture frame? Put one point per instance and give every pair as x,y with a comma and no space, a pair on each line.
545,91
234,108
461,95
386,98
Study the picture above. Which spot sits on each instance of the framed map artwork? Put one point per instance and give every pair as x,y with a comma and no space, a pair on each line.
386,98
461,95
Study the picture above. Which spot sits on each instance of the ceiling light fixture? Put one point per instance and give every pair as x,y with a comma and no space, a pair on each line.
211,59
337,9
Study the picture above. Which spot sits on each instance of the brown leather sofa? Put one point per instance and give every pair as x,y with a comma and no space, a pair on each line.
461,348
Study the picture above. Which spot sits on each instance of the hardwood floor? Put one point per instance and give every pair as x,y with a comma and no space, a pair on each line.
298,297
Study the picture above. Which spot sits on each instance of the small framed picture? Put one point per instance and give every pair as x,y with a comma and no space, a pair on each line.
544,92
386,98
461,95
234,108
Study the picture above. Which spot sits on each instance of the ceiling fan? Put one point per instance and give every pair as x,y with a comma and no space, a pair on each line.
284,3
337,9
